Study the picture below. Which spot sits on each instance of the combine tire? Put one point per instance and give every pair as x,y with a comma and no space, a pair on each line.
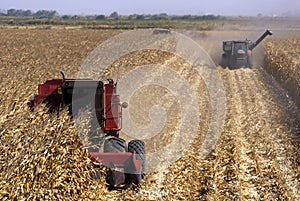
249,62
223,62
114,144
138,147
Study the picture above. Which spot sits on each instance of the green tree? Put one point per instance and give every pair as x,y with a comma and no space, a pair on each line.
114,15
66,17
100,17
140,17
27,13
19,12
45,14
12,12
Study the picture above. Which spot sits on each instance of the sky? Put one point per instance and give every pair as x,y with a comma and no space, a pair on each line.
176,7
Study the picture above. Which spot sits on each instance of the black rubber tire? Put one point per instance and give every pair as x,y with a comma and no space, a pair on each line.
249,62
224,61
139,147
96,174
114,144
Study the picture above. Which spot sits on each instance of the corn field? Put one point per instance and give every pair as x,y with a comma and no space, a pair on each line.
283,61
42,158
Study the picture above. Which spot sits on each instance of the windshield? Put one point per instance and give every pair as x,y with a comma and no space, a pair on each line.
240,46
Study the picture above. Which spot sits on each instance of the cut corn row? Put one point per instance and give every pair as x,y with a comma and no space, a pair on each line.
42,158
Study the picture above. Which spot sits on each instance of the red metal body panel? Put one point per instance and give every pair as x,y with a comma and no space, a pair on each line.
46,89
249,53
112,110
116,158
112,122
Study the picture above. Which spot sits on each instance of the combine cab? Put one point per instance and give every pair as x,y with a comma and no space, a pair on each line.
125,166
238,54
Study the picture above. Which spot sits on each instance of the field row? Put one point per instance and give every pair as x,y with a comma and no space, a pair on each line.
42,156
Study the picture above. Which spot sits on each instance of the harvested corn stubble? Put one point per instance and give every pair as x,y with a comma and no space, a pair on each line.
42,157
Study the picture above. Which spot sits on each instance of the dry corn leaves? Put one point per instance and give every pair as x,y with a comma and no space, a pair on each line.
283,62
41,156
261,140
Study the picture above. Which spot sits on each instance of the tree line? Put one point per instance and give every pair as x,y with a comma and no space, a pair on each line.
29,13
113,16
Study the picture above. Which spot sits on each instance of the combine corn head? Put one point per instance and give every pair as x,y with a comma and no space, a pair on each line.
126,163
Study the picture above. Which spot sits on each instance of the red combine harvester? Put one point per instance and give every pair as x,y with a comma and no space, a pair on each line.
124,166
238,54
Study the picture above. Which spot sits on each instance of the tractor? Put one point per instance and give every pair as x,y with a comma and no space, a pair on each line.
125,164
238,54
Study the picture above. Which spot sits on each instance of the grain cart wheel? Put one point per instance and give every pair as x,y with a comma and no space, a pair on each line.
138,147
114,144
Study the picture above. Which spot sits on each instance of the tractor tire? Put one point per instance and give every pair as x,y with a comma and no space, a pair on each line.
224,61
114,144
138,147
249,62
